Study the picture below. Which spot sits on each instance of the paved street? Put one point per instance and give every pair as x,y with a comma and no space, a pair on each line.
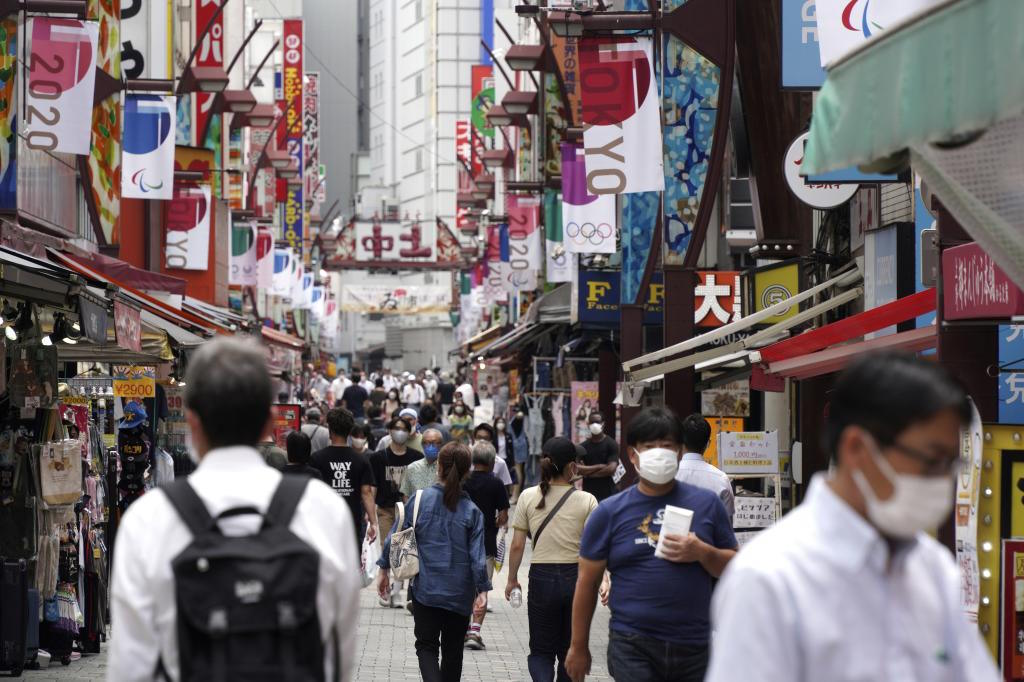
386,650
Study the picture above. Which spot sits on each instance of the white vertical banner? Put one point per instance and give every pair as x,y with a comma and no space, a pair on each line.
621,115
588,220
264,259
282,279
61,74
243,263
147,155
561,265
188,228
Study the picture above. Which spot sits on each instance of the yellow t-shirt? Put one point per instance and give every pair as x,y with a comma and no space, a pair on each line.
560,541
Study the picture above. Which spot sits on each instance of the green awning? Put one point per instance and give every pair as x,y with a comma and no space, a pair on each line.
955,71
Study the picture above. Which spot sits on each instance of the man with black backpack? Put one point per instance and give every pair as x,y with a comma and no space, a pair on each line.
236,572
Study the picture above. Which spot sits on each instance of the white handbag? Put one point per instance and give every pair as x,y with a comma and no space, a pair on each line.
404,554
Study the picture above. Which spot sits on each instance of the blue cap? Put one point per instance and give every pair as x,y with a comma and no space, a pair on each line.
134,414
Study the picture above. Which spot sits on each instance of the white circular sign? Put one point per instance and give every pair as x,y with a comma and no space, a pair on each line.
817,195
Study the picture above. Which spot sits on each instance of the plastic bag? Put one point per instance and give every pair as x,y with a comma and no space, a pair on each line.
368,560
499,554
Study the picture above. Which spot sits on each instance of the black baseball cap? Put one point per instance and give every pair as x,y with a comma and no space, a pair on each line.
562,451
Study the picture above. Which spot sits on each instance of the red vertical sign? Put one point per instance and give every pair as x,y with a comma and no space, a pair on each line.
464,155
211,53
294,208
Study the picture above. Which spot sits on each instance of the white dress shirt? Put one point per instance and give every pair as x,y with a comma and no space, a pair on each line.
151,534
819,597
695,471
338,387
501,471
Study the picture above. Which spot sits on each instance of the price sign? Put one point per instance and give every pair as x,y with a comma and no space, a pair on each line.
754,512
134,381
749,452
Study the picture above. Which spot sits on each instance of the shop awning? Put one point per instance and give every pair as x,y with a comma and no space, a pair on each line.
280,338
554,307
948,73
477,343
655,363
36,280
518,338
855,326
128,274
835,359
223,316
182,337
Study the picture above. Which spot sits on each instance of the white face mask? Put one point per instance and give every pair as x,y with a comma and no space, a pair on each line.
917,504
596,429
658,465
358,443
399,437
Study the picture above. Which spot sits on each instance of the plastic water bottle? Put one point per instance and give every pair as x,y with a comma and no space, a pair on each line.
516,598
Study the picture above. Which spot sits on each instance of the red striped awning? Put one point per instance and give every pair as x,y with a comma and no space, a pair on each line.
853,327
835,359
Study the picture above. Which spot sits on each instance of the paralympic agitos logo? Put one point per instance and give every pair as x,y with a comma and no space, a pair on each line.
865,27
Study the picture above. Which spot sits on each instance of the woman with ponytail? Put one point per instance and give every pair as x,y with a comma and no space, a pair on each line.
552,514
453,566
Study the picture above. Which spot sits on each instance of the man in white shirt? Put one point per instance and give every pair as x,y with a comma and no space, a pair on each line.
850,586
227,407
694,470
338,386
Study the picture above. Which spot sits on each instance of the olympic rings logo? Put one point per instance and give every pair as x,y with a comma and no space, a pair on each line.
589,232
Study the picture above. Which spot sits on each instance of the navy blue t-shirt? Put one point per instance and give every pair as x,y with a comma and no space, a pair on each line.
655,597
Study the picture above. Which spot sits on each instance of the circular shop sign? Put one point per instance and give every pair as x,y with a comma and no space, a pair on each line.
818,195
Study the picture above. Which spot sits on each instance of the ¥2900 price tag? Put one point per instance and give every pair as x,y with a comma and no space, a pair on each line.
135,389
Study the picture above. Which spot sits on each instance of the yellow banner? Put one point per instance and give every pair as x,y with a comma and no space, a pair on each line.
775,285
134,381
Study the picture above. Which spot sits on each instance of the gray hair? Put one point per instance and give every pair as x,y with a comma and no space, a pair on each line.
229,388
484,454
437,431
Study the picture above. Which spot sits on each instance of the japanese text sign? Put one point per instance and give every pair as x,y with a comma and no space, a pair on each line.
408,241
294,210
134,381
975,287
718,298
754,512
211,53
749,452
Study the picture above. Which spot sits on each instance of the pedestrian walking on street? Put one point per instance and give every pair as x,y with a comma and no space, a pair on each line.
461,423
348,473
319,437
272,454
850,585
452,576
429,419
695,471
660,603
423,473
553,514
391,403
484,433
299,452
600,461
389,466
491,498
233,494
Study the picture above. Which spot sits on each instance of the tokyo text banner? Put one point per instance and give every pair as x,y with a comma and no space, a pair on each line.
188,229
588,220
61,75
621,116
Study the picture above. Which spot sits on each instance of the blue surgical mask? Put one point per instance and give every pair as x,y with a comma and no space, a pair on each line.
430,451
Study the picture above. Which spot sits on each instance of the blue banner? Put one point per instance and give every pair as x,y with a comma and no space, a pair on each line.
801,61
639,220
599,294
1011,385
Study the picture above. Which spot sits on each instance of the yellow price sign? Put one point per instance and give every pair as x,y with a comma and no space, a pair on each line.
134,381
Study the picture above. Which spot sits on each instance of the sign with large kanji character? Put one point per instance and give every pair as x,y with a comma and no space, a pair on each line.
406,241
718,298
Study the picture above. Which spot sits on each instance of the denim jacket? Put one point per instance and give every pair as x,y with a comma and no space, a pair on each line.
453,566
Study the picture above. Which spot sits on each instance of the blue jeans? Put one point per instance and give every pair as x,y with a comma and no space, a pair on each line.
635,657
549,607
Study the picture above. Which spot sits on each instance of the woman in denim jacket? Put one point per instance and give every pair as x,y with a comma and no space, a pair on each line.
453,567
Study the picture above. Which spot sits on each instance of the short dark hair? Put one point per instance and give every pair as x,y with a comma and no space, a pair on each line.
595,413
696,433
886,393
229,389
428,414
400,420
378,382
654,423
300,447
374,412
484,426
340,422
359,431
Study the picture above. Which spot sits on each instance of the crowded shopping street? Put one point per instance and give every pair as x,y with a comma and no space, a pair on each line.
636,340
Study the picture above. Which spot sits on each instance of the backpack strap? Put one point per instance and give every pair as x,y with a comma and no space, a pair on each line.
285,500
190,507
551,514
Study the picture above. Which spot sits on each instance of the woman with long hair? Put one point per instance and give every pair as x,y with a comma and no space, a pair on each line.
553,515
452,577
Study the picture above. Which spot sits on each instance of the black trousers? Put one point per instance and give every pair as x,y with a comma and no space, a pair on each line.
439,631
549,607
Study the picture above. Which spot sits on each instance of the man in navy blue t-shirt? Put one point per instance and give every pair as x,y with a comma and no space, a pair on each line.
660,625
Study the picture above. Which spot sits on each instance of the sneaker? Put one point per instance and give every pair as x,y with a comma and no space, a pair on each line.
474,642
408,606
386,603
490,609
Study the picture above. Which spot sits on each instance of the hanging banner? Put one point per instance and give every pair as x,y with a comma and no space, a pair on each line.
61,76
555,123
188,229
621,116
567,59
406,241
243,264
282,278
968,486
588,220
483,99
147,160
105,150
305,299
801,58
523,232
464,159
395,300
210,53
128,327
583,400
294,209
8,114
264,259
146,39
639,223
311,133
845,25
560,264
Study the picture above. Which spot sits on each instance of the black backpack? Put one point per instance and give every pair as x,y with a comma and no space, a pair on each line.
247,605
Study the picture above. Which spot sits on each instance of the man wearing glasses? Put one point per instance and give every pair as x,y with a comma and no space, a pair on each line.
850,586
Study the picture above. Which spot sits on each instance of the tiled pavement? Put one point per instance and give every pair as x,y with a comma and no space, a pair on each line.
385,645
